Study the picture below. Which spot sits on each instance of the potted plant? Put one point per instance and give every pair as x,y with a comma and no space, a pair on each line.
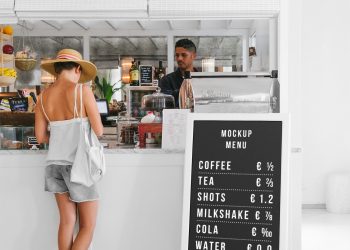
106,89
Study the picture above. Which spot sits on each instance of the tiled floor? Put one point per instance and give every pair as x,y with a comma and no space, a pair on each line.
325,231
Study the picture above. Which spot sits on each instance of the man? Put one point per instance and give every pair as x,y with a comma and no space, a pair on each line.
185,53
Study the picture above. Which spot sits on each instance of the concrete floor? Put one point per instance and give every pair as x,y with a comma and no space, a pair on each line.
325,231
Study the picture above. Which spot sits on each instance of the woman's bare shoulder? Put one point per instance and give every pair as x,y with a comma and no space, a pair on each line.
87,91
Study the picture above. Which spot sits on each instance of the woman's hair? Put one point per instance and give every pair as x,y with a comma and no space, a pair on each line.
60,66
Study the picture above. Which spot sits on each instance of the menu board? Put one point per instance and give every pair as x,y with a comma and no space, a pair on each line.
146,74
233,180
18,103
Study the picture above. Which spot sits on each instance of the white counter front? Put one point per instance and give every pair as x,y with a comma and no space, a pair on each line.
140,206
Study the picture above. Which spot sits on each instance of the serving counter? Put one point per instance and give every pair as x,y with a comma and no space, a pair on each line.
140,206
142,192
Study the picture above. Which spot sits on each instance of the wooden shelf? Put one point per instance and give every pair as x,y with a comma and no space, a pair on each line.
5,37
7,57
6,81
16,118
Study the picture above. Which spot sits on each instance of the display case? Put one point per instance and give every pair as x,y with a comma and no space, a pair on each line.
134,96
7,67
233,92
16,137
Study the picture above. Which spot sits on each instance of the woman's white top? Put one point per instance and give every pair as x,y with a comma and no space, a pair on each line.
64,134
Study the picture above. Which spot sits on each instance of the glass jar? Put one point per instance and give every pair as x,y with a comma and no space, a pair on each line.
127,130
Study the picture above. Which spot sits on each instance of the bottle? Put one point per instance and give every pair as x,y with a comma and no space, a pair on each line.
134,74
155,76
186,99
161,72
130,70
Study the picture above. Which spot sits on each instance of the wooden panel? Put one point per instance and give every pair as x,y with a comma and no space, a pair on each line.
7,13
16,118
80,9
210,9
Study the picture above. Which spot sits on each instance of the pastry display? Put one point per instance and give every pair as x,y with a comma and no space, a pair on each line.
15,137
8,144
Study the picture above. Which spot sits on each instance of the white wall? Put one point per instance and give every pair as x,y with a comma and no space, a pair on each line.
325,94
291,49
131,216
261,29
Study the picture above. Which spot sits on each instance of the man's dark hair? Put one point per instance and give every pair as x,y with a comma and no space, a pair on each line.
60,66
187,44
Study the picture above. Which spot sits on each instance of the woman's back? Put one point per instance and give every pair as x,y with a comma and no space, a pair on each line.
58,102
61,108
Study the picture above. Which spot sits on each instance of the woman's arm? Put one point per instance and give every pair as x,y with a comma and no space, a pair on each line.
92,110
41,132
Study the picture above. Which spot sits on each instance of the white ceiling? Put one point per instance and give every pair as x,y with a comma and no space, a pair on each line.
12,11
114,25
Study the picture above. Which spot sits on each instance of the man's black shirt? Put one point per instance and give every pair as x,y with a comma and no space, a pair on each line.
171,83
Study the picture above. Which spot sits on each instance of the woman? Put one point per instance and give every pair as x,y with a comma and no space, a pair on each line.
59,107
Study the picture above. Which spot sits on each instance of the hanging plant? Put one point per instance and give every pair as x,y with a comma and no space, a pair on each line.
25,59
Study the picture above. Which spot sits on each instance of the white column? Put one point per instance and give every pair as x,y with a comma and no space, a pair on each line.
273,44
245,54
171,54
86,47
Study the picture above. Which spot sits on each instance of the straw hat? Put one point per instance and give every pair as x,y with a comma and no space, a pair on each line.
70,55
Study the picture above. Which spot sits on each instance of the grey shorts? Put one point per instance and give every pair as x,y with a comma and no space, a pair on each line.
57,180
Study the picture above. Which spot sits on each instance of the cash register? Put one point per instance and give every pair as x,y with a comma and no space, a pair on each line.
103,109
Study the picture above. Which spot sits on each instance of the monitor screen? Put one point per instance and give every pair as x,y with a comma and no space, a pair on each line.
102,106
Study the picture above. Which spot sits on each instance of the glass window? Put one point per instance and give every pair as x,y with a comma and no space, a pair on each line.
217,54
106,52
44,48
47,47
252,40
113,56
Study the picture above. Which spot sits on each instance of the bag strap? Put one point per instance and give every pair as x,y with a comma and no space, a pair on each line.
81,101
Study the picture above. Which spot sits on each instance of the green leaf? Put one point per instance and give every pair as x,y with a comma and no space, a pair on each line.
104,82
99,86
106,88
109,93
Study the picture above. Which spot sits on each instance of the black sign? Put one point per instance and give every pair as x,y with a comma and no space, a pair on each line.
146,74
235,185
18,104
32,140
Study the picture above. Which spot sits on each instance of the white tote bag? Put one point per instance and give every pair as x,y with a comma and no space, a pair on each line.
89,164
